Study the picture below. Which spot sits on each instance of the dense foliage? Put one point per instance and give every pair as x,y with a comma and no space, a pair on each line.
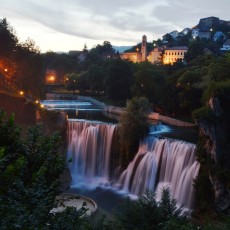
29,175
133,126
148,213
21,63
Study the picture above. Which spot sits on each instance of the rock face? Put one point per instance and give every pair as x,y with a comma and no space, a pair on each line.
217,135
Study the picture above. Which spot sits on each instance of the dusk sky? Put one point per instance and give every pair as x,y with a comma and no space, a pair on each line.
63,25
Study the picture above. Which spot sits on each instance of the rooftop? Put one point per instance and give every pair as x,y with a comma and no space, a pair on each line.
177,48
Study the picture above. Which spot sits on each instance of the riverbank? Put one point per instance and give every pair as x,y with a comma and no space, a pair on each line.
119,110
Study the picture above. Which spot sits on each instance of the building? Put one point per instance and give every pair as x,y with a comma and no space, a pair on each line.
204,35
205,24
174,54
195,33
185,31
174,34
139,55
226,46
219,36
156,55
131,56
144,48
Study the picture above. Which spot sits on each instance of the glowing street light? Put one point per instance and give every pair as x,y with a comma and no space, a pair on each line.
21,93
51,79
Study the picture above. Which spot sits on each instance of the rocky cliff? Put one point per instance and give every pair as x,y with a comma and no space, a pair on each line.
216,132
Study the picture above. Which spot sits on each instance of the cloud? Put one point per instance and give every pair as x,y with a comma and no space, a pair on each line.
187,13
115,21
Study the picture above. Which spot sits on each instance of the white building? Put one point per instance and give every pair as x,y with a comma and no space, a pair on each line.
174,54
226,46
195,33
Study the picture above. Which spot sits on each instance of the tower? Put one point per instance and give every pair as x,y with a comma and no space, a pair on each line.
144,48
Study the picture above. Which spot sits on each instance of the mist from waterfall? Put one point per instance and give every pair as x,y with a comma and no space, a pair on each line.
159,162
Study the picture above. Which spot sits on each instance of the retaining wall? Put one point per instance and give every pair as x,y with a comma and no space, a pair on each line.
119,110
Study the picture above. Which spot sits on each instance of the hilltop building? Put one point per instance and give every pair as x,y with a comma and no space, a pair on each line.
144,48
205,24
156,55
174,54
226,46
139,55
219,36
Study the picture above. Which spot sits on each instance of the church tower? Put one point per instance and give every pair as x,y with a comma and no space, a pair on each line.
144,48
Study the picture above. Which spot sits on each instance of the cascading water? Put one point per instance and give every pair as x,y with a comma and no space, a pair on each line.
159,162
89,151
162,163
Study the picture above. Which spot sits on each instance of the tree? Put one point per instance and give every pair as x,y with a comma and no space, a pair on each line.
96,77
219,69
8,39
119,80
71,81
29,179
8,45
148,213
29,175
194,50
148,82
133,126
30,75
62,64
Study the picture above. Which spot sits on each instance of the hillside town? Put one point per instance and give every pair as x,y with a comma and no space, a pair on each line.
174,45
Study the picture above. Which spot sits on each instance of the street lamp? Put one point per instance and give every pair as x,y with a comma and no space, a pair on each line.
51,79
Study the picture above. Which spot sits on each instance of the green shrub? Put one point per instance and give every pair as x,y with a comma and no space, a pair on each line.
204,113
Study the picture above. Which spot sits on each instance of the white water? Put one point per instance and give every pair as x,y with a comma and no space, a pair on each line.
172,161
89,151
159,162
68,105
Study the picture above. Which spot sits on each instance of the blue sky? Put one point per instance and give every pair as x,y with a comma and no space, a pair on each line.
60,25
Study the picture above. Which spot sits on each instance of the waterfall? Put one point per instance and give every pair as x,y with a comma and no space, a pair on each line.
162,163
89,147
158,163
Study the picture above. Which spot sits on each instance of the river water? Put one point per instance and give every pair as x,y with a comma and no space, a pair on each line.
159,162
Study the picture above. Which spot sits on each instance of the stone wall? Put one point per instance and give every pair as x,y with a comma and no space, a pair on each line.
169,120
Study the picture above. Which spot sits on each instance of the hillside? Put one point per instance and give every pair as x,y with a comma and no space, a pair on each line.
23,111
